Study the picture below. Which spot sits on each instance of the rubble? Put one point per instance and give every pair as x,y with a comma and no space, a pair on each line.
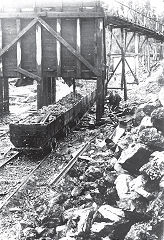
157,117
152,138
155,167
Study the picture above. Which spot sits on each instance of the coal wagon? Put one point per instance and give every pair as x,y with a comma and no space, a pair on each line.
39,134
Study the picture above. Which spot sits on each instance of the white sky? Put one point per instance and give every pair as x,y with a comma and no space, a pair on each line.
157,4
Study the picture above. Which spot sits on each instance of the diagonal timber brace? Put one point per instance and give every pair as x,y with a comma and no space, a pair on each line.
20,34
57,36
69,47
29,74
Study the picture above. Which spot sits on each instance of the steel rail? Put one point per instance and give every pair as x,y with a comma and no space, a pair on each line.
23,183
8,160
64,171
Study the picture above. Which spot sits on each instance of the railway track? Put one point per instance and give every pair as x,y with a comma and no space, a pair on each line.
16,171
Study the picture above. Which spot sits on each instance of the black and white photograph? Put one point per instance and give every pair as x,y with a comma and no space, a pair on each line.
81,119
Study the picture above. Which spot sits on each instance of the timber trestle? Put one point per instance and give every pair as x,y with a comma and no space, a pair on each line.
68,40
49,42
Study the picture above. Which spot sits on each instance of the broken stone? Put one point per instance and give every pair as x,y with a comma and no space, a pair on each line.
30,233
93,173
148,108
135,156
77,191
157,118
79,219
111,213
152,138
145,123
138,185
15,209
139,115
161,183
140,231
102,228
40,230
122,185
155,167
61,231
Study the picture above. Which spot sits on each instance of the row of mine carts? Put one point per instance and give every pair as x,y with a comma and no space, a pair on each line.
40,136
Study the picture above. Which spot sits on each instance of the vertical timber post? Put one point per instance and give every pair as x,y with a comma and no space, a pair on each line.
123,78
100,62
58,47
78,47
148,56
18,24
40,96
1,73
136,54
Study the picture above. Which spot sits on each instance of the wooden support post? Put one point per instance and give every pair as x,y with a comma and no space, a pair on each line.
1,73
148,56
53,89
40,96
109,60
6,95
18,24
78,47
161,56
99,63
123,78
137,56
74,87
58,46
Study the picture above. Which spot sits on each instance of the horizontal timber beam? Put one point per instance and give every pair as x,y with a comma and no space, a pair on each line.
29,74
69,47
20,34
51,14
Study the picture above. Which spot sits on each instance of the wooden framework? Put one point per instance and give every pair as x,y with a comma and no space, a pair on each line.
68,41
44,45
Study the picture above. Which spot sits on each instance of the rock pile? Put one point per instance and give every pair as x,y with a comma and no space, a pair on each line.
113,198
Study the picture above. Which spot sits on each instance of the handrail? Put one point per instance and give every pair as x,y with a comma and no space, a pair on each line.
132,15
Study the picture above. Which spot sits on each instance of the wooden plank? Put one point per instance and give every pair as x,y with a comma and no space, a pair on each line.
21,33
29,74
50,14
58,48
40,93
69,47
78,47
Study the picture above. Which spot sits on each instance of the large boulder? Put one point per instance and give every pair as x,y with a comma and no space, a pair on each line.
157,117
152,138
134,157
155,167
